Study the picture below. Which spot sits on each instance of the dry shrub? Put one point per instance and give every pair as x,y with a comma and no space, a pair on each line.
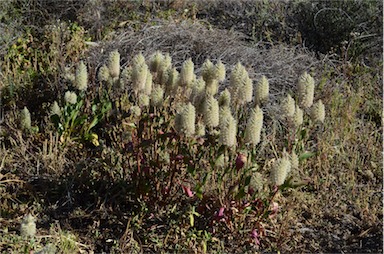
280,64
260,20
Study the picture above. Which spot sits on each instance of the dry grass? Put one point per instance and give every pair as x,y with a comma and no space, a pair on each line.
280,64
342,209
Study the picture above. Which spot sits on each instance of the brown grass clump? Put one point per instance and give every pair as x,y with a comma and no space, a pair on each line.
281,65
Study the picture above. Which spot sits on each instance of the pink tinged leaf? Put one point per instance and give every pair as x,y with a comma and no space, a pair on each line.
221,212
187,191
254,236
165,190
240,161
274,209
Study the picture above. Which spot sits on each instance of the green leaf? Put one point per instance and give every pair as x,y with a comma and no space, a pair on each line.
247,209
35,129
204,246
55,119
291,183
306,155
80,120
221,150
241,193
95,139
206,178
199,191
93,124
94,108
191,220
247,180
106,107
131,125
303,132
191,169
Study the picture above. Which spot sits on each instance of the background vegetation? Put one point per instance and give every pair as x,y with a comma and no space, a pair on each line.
104,178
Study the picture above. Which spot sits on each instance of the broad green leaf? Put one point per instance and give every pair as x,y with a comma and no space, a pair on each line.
247,180
306,155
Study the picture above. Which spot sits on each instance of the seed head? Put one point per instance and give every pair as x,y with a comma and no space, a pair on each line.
156,61
318,112
306,89
187,73
139,73
126,76
228,128
28,226
262,90
148,84
208,71
166,65
211,111
81,77
225,98
294,161
288,106
254,125
212,87
114,64
224,114
198,88
200,129
55,109
298,116
238,81
25,119
248,90
157,96
220,71
280,169
256,183
135,111
69,75
103,73
185,120
70,97
172,80
143,100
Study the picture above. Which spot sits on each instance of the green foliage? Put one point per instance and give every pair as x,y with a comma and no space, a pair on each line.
74,124
353,26
260,20
34,57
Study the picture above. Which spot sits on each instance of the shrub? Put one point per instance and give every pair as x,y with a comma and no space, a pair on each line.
327,25
212,153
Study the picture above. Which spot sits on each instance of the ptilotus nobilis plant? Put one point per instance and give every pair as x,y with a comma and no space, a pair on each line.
210,129
28,226
161,84
205,106
262,90
81,77
305,90
25,119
